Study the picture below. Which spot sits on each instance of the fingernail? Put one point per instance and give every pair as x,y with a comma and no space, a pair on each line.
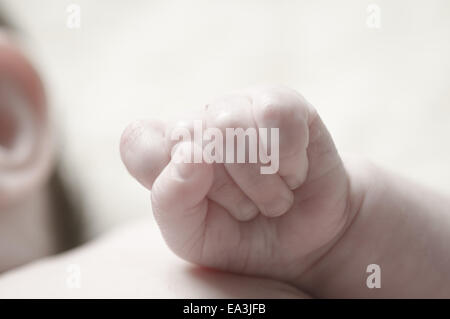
279,206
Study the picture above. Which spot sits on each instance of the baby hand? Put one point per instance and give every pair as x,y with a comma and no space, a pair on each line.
231,217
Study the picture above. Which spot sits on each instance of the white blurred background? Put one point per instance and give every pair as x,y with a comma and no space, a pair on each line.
383,92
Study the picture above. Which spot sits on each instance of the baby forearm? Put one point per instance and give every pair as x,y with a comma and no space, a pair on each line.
402,227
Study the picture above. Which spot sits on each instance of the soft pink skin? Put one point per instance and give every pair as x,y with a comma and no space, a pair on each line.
199,228
342,219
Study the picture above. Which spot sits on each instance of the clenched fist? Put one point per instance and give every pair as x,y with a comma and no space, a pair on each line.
231,217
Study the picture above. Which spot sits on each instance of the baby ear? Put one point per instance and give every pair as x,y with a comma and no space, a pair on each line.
26,149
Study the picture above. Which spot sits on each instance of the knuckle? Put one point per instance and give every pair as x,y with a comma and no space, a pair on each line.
283,102
230,111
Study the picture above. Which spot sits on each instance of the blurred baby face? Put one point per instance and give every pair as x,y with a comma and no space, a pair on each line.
26,160
25,144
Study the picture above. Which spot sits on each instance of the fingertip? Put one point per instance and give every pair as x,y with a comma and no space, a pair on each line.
294,170
278,206
182,184
293,181
129,135
183,166
247,210
142,150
